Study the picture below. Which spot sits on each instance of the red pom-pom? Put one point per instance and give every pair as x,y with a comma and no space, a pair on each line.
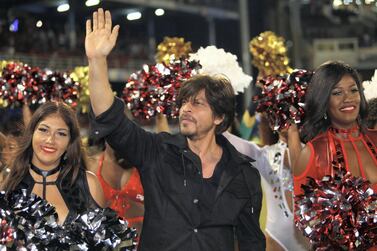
6,233
17,82
283,98
338,212
56,86
21,84
154,89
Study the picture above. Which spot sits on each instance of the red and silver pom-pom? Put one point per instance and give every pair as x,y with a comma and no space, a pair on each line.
7,233
17,82
21,84
338,212
283,98
154,89
56,86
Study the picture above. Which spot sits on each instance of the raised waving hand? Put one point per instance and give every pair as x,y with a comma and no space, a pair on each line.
99,41
100,35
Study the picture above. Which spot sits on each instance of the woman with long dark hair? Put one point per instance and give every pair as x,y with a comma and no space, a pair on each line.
49,163
335,127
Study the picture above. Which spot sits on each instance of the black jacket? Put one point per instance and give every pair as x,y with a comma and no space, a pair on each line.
171,176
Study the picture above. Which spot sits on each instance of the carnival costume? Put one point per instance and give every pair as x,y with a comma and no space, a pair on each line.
276,181
327,148
120,198
335,194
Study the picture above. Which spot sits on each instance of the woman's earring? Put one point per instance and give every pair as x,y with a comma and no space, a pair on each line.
325,116
65,156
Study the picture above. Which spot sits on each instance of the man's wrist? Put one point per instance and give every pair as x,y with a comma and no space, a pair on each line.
97,59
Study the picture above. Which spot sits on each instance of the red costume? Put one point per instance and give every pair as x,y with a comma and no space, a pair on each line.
124,199
338,145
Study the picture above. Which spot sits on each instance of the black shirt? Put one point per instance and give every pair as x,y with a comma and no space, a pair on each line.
210,185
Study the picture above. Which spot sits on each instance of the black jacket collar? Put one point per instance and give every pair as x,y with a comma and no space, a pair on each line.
237,161
180,141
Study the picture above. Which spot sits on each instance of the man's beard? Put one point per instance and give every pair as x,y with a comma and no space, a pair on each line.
186,133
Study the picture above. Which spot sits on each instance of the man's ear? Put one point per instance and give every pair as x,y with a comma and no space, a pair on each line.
219,119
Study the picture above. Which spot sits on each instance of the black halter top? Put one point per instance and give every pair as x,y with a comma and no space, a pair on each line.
77,196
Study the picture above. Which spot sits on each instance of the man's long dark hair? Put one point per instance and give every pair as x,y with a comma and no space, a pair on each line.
219,93
73,155
317,98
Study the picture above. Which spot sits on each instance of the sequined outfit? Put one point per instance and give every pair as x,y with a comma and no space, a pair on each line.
276,181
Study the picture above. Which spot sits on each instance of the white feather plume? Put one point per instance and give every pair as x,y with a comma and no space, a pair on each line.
370,87
216,61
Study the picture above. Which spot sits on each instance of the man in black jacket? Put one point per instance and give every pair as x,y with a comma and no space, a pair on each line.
199,192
